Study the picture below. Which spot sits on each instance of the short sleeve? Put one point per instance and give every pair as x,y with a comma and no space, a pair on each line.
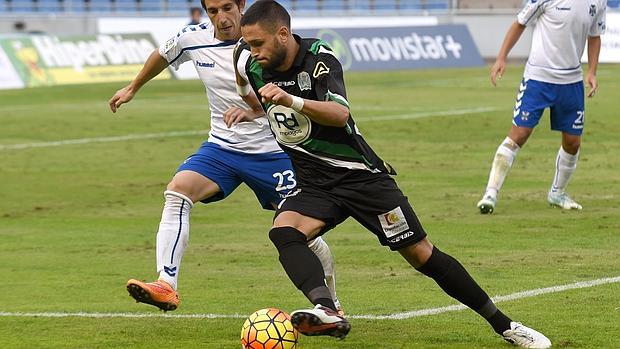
599,24
329,81
173,50
530,13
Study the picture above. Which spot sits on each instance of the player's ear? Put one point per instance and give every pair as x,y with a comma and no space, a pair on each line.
241,5
283,34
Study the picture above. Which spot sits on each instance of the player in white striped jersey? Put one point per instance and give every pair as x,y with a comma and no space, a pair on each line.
245,152
552,79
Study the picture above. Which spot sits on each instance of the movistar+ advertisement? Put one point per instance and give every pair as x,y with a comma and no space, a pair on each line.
400,47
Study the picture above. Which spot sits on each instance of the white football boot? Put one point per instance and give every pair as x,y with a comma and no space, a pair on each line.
526,337
563,201
320,321
487,204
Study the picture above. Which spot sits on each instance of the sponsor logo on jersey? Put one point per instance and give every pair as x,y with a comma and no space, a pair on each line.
303,81
319,69
284,83
562,8
290,127
205,65
393,222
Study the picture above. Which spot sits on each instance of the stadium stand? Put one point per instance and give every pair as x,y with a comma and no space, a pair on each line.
164,7
175,7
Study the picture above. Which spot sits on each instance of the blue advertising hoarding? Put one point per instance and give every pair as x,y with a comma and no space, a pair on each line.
400,47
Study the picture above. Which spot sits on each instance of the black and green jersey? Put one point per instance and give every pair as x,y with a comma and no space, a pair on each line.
315,150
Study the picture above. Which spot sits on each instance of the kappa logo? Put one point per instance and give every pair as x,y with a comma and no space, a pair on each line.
303,81
320,69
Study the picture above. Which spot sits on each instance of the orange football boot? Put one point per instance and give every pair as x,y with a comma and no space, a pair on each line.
157,293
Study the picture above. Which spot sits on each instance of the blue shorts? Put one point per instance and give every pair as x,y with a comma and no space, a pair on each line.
565,101
269,175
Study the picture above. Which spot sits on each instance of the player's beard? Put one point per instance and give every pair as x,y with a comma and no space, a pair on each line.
279,56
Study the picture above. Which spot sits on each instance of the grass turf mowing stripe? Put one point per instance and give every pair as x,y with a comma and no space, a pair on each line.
396,316
131,137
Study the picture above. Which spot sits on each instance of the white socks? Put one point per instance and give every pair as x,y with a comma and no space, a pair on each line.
565,165
504,157
322,251
172,236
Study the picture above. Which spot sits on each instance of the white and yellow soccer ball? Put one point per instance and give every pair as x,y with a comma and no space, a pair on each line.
269,328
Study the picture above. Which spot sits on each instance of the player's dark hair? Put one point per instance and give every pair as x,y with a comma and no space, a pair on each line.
204,6
268,14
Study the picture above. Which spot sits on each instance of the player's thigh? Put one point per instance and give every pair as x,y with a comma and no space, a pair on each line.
382,208
311,211
532,99
568,114
193,185
270,176
216,166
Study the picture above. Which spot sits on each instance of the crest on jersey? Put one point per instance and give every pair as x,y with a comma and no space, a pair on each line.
592,10
169,45
303,81
320,69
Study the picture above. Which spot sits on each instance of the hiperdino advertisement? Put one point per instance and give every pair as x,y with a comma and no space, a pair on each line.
42,60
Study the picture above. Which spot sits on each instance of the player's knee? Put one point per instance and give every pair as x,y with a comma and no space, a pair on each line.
282,237
172,196
179,187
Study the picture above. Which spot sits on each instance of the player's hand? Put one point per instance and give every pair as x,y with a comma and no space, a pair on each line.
121,96
592,83
497,71
235,115
271,93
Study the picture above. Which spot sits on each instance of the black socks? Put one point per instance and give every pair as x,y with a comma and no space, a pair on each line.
302,266
452,277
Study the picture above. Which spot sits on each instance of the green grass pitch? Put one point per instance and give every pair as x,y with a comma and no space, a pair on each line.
77,221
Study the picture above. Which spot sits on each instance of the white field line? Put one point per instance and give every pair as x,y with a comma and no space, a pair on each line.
396,316
132,137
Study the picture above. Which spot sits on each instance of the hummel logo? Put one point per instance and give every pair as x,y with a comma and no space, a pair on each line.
205,65
170,270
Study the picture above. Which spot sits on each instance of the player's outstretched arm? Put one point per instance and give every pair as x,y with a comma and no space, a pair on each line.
154,65
512,36
325,113
594,49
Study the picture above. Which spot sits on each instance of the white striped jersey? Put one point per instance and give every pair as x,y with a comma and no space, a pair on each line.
213,60
561,28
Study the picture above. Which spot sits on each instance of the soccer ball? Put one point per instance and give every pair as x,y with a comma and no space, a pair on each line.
269,329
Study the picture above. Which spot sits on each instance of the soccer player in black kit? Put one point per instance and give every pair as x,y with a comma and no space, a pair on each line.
300,86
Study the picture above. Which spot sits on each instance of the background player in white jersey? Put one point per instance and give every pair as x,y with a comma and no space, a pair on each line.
245,152
552,79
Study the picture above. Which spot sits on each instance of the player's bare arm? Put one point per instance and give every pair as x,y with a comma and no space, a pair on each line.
594,49
154,65
325,113
512,36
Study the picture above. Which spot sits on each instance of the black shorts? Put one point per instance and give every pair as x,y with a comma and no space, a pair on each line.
377,203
